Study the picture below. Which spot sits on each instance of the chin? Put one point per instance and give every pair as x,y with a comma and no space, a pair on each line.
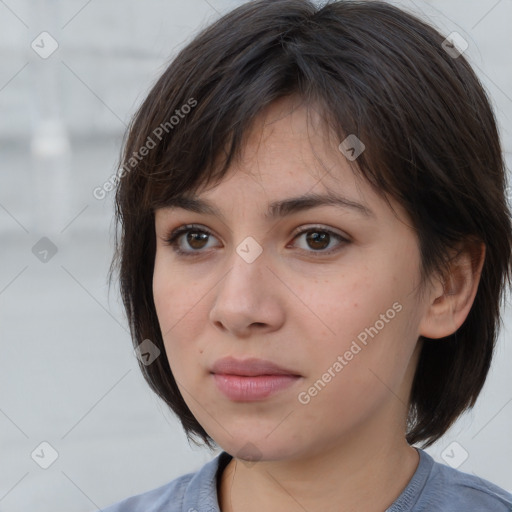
255,449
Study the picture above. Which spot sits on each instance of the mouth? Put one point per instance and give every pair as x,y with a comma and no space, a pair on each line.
251,379
249,367
250,389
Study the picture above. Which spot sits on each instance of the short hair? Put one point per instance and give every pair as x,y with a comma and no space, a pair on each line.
375,71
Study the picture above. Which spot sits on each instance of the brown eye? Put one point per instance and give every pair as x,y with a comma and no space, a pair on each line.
318,240
197,239
189,240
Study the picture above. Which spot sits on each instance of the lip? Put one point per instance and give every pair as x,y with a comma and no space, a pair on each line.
251,389
251,367
251,379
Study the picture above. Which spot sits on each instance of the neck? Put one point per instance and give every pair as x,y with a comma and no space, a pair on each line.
362,473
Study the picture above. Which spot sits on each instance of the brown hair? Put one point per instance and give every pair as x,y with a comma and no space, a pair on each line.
375,71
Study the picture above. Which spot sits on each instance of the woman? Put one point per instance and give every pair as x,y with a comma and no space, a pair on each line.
314,241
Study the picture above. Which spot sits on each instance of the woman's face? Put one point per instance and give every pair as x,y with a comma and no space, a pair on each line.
328,292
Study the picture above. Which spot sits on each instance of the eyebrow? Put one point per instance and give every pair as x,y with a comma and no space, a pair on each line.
276,209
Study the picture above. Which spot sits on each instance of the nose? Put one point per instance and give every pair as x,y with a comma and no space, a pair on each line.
248,299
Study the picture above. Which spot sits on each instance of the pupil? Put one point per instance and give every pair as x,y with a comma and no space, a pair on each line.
314,237
194,236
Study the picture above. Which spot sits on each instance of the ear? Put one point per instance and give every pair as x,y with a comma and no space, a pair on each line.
451,298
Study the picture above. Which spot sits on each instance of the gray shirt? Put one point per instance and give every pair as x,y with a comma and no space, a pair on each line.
434,487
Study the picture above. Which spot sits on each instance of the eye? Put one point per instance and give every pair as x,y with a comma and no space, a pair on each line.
196,239
318,239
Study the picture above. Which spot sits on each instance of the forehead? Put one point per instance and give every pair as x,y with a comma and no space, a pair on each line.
291,130
288,152
289,162
286,131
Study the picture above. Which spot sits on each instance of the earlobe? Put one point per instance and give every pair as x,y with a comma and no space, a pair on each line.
451,298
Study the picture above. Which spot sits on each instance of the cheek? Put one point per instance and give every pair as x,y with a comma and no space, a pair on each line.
341,305
349,380
180,312
368,317
174,294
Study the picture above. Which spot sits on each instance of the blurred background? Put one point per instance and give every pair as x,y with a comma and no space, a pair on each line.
79,427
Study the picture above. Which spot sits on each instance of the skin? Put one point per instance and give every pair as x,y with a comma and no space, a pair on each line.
345,450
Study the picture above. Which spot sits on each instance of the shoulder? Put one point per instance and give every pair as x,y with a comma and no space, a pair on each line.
448,489
154,500
189,491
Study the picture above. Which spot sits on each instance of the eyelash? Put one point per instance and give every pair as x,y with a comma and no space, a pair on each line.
173,238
